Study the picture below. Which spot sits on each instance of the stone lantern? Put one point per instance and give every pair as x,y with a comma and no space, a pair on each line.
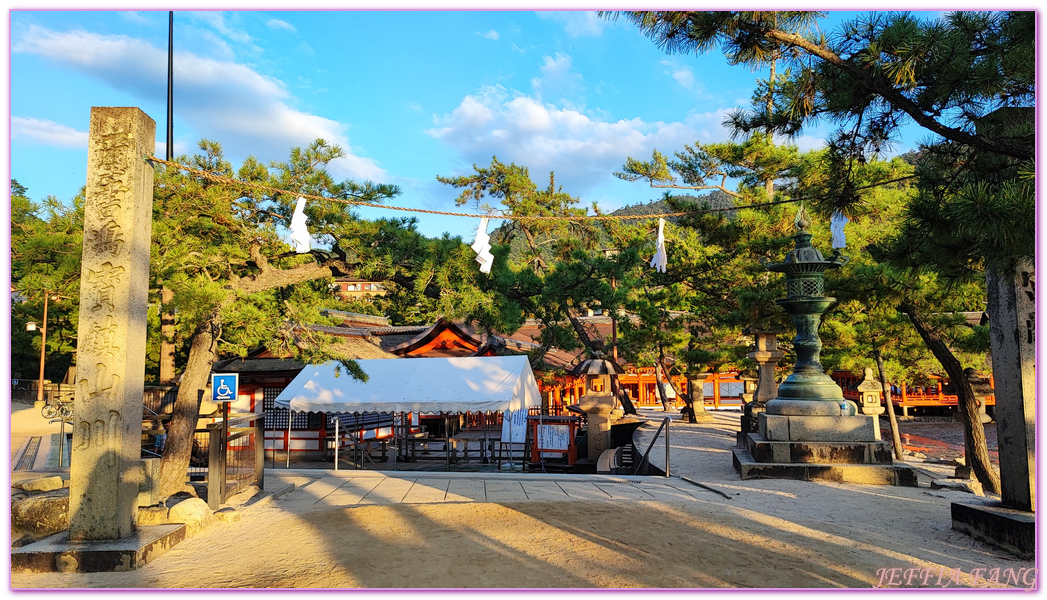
809,431
808,390
869,393
982,389
766,355
598,401
870,390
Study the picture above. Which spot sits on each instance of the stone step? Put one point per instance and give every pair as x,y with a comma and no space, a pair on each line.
894,474
861,453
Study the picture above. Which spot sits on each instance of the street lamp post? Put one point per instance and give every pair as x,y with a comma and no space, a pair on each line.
31,326
610,253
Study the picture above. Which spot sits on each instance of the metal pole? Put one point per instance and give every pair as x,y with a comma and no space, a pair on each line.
667,422
43,350
223,452
259,453
287,447
62,435
170,85
337,442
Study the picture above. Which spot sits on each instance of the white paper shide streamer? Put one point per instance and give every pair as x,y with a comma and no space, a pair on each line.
299,232
660,258
482,247
836,227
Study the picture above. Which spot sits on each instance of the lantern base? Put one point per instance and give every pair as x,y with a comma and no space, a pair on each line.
889,474
811,408
819,447
810,387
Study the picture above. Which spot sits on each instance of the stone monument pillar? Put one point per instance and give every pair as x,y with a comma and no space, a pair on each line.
106,456
1012,331
1010,523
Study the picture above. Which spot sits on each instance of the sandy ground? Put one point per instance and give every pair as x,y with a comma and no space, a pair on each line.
764,534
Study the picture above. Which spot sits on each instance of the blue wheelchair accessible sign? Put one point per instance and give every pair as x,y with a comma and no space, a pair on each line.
224,387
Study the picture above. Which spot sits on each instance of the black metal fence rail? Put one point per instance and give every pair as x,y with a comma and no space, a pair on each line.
199,455
236,457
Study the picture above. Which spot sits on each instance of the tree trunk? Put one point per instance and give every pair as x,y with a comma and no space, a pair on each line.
167,331
660,378
973,431
768,183
895,437
174,465
579,329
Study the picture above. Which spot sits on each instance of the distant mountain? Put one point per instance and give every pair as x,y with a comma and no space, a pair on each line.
715,199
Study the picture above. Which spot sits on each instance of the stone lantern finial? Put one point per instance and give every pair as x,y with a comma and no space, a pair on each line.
802,220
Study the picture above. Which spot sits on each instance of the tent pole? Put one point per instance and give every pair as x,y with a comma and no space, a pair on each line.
337,442
287,450
396,437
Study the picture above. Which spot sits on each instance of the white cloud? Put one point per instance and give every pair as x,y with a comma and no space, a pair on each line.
217,21
135,16
682,74
684,77
558,79
48,133
278,24
247,112
491,35
357,167
576,23
582,149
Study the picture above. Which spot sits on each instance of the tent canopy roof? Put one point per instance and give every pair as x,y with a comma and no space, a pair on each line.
421,385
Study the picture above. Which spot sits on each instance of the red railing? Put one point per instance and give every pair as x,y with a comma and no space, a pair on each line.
906,396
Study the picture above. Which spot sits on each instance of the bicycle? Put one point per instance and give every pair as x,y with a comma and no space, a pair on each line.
52,411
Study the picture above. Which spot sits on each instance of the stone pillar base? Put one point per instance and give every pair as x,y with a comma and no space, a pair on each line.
991,522
747,468
819,448
56,554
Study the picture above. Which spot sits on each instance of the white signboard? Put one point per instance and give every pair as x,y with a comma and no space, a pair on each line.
514,426
554,437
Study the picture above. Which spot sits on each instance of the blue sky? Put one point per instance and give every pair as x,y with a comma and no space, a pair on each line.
408,94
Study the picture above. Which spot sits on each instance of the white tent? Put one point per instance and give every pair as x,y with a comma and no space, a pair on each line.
419,385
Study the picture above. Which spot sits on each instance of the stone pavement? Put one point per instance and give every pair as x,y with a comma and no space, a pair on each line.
34,447
305,489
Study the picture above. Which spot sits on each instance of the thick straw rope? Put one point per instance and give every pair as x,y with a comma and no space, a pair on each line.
265,188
